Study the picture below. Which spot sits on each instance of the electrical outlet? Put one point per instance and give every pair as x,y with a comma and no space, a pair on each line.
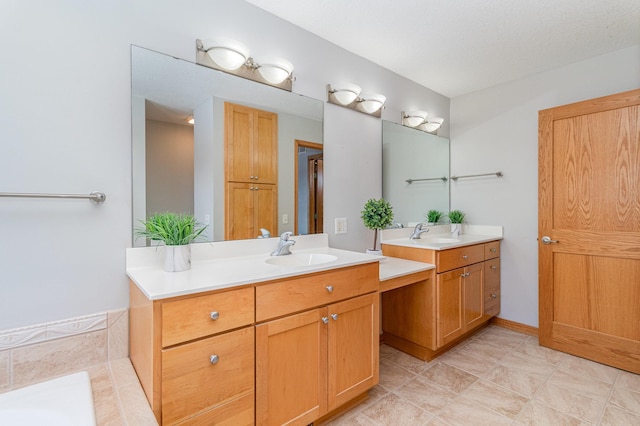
207,219
285,219
341,225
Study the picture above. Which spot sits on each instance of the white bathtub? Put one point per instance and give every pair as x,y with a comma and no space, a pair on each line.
65,401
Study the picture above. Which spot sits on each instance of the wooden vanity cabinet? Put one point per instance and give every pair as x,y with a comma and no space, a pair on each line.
464,295
317,344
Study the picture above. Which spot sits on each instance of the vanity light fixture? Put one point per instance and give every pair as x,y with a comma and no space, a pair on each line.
421,120
234,58
348,96
190,120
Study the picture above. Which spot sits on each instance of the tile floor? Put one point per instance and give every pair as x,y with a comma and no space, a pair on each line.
498,377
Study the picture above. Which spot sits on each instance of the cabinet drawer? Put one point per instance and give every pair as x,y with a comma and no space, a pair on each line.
492,287
298,294
200,316
238,412
192,382
492,250
459,257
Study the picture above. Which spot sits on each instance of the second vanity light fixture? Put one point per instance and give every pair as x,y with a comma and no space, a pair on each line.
348,96
234,58
421,120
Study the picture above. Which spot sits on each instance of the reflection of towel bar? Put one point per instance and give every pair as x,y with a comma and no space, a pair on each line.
443,178
498,174
95,197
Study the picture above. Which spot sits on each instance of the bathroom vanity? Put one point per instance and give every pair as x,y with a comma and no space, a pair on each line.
237,340
428,317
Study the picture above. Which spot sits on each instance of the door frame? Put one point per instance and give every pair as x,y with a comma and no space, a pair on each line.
297,144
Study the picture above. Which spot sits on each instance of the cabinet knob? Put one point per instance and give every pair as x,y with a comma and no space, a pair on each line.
213,359
330,288
214,315
255,177
494,267
465,274
325,320
256,188
493,295
334,317
251,177
464,256
492,250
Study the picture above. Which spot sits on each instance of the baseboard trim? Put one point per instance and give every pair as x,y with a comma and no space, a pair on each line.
516,326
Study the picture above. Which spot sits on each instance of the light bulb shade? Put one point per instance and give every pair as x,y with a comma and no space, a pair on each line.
432,124
346,93
275,70
228,54
415,118
372,103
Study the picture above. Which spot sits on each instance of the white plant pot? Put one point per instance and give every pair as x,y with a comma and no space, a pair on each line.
374,252
456,229
177,258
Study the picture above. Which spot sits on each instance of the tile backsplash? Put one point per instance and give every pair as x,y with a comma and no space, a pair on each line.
43,351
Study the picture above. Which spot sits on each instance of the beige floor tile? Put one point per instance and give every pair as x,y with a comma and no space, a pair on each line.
531,348
134,405
425,394
357,419
496,398
480,348
616,417
392,375
626,399
450,378
628,380
531,366
105,404
582,385
469,362
589,368
537,414
409,362
465,412
515,380
118,334
99,376
123,372
570,403
386,350
392,410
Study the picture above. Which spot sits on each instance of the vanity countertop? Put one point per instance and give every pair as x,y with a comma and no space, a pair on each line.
393,267
471,235
226,264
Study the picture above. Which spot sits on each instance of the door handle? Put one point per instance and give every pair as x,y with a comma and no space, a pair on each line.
548,240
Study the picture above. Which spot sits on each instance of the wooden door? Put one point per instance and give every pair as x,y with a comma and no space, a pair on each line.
239,217
473,295
449,312
238,143
265,147
265,209
291,369
353,348
589,217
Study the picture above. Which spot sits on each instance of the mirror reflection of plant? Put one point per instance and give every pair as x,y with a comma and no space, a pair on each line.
456,216
377,215
174,229
433,216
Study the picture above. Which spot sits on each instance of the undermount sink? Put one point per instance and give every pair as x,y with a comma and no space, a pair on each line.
440,240
301,259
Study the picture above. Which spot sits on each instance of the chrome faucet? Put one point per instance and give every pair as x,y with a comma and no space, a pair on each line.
417,231
283,245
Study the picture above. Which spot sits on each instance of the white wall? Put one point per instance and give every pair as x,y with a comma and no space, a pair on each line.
496,130
65,118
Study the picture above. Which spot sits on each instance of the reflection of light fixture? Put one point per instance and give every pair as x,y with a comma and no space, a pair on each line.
348,96
422,121
190,119
233,57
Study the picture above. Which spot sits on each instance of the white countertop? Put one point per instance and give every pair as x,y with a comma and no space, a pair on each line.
470,235
393,267
225,264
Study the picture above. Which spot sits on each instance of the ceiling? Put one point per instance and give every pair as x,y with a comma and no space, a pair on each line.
455,47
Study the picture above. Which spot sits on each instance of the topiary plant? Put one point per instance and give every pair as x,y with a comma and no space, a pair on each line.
433,216
456,216
377,214
171,228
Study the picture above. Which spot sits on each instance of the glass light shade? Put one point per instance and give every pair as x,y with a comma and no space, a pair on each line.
432,124
275,70
228,54
415,118
372,103
347,93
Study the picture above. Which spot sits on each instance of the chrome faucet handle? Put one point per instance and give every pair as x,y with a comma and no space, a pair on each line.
285,235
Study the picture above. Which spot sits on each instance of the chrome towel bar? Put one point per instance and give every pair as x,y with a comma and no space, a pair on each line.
95,197
498,174
443,178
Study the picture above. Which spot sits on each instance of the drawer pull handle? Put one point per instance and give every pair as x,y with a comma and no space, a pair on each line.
494,267
492,250
325,320
494,296
464,275
334,317
464,256
215,315
330,288
213,359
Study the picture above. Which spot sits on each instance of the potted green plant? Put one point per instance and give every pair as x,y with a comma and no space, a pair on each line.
177,231
433,216
456,217
377,215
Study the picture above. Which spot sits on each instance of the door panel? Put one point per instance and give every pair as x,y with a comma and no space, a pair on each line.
589,205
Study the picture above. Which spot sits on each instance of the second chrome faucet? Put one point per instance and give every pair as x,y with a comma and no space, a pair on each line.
284,244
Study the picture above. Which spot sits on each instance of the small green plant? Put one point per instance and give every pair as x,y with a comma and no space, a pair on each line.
433,216
171,228
456,216
377,214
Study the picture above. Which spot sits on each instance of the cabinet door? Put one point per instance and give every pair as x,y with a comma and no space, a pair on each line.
473,295
265,147
291,369
491,288
449,296
265,209
238,124
239,218
353,348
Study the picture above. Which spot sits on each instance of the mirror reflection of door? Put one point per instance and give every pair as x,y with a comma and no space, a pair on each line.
309,188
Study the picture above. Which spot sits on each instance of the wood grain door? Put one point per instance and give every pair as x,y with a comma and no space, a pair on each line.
449,306
589,220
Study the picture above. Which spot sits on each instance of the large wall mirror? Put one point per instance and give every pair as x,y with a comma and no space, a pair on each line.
180,167
415,172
